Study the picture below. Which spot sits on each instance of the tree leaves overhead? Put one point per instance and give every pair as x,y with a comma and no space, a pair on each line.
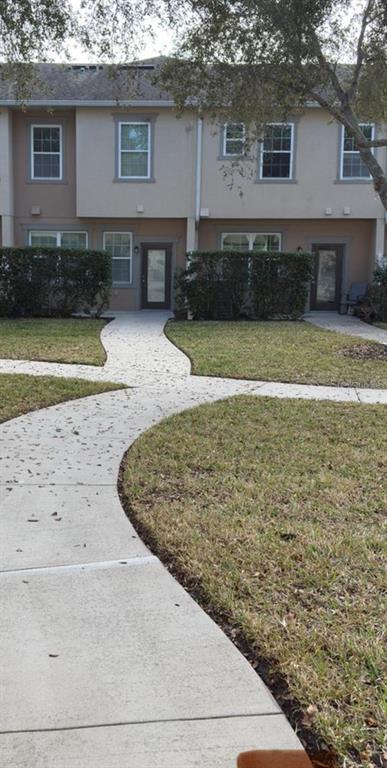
292,46
259,60
31,28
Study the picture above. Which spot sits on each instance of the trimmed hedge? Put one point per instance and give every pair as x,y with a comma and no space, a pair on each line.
378,292
226,285
53,282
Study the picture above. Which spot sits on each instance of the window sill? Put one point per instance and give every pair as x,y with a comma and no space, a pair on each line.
353,181
233,158
117,180
275,181
46,181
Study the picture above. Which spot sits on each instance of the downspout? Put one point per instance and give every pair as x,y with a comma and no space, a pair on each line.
198,175
198,188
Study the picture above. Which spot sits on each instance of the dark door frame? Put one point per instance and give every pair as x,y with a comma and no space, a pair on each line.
145,304
335,305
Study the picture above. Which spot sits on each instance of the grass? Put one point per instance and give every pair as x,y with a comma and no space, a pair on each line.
62,341
271,512
276,351
20,394
382,325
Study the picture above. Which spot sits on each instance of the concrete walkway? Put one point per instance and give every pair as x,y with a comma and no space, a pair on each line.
348,324
140,355
105,660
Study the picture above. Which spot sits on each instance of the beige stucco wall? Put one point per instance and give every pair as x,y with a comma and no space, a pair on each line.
357,236
236,193
6,178
56,199
89,188
6,181
172,191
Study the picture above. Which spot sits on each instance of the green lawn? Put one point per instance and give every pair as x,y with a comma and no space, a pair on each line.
278,351
63,341
20,394
271,512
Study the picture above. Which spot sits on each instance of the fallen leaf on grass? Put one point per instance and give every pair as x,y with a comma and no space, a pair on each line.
309,715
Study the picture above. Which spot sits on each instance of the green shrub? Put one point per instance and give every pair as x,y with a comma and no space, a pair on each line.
378,292
53,282
374,306
226,285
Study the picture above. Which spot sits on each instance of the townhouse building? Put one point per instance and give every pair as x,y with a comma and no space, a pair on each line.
83,164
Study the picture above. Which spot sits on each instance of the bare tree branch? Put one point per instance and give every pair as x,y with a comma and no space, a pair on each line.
326,67
360,50
374,143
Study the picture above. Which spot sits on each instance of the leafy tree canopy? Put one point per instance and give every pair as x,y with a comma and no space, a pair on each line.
259,60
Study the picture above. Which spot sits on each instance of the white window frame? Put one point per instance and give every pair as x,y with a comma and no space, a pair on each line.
278,151
121,283
251,237
33,153
58,234
225,140
132,151
347,151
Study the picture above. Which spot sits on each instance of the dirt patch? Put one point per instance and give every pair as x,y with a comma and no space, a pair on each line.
365,352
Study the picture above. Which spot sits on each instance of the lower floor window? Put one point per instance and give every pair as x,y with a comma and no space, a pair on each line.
40,239
245,242
251,241
119,245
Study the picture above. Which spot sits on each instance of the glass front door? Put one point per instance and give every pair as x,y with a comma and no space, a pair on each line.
326,283
156,276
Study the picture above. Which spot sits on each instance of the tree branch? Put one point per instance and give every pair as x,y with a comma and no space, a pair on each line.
337,113
360,51
326,67
372,143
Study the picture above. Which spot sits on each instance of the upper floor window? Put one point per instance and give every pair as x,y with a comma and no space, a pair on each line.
46,152
234,138
277,151
251,241
134,160
352,166
119,245
40,239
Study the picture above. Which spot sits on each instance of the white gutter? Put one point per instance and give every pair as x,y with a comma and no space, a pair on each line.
198,174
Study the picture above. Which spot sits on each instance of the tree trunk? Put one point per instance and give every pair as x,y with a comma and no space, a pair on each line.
366,154
377,173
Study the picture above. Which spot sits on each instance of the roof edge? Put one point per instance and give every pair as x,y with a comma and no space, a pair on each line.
83,103
142,103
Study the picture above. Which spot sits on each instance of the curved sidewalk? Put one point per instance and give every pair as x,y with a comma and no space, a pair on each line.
106,660
140,355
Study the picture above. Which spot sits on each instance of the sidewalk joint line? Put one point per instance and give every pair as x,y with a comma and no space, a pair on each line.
142,722
131,561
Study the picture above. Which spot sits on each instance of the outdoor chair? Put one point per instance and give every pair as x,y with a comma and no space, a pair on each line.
357,292
274,759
